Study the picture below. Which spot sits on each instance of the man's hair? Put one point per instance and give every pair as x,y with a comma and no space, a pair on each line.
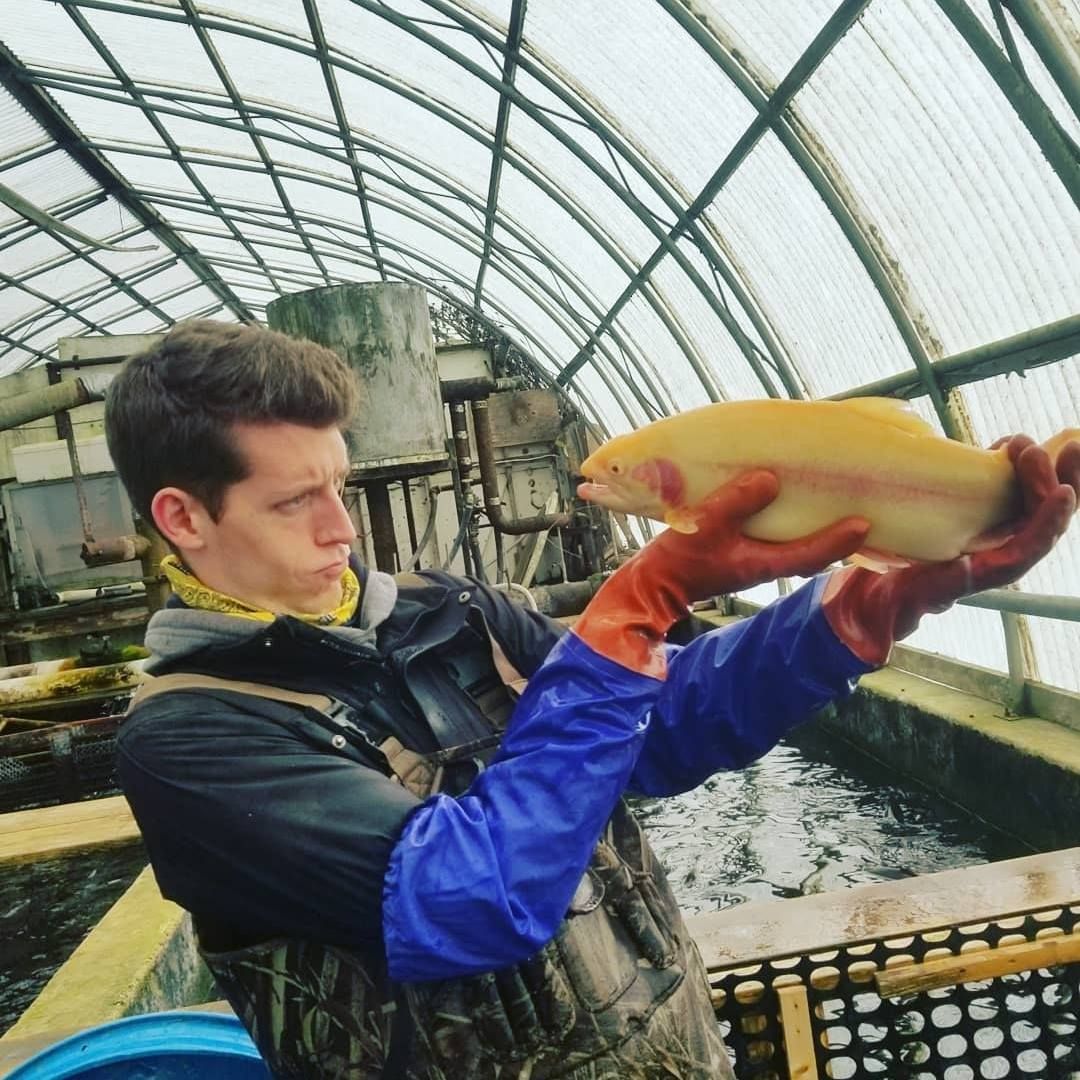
169,411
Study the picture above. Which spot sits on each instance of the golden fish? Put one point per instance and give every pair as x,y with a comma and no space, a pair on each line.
927,497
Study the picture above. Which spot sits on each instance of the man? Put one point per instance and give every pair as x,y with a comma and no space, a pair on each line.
395,869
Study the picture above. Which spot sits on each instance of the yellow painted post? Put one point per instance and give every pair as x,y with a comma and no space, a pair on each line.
798,1033
978,965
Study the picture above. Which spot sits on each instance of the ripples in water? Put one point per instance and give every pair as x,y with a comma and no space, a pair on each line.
808,818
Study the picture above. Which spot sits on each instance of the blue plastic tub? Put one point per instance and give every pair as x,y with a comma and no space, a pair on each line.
157,1046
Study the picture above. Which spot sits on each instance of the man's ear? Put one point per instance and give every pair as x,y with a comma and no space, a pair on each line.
181,519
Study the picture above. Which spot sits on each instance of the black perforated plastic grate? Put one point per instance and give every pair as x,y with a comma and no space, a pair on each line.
71,762
1021,1025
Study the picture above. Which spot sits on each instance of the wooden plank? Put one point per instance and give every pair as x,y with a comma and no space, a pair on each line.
53,831
798,1032
976,965
893,909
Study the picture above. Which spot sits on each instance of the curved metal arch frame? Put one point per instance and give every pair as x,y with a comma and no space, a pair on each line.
453,116
599,121
55,123
408,273
87,86
648,408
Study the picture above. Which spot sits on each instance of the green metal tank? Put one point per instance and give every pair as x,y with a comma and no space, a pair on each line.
383,331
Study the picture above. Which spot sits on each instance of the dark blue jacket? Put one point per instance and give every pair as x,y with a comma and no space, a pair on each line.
255,816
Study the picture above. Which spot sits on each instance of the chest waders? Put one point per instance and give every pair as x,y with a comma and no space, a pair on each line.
619,992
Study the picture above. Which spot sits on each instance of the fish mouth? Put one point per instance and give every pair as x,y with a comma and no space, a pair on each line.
593,492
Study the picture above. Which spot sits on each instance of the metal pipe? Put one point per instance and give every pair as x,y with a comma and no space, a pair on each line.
64,421
157,586
116,549
564,598
1012,355
383,538
493,504
459,430
1039,604
47,401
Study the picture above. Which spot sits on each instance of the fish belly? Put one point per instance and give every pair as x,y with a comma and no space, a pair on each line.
912,515
926,498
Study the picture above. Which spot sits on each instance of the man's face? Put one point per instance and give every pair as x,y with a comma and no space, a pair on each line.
282,539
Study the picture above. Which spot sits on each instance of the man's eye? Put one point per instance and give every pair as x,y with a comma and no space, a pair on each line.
295,502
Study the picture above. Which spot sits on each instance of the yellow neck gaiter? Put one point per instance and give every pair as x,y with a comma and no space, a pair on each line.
197,595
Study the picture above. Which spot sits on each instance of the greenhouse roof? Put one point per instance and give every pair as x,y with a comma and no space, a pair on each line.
662,202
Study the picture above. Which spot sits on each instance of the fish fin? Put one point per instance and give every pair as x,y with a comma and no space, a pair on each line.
681,520
880,562
891,411
1054,445
992,538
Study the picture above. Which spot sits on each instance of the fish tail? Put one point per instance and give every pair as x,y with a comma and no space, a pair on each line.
1056,443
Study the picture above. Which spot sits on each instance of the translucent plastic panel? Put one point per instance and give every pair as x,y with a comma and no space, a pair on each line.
1043,403
679,387
349,270
104,222
364,37
168,279
308,161
1057,651
984,233
194,299
107,120
972,635
15,303
109,304
18,131
294,260
763,594
771,34
463,261
526,205
231,185
1034,69
333,204
147,47
390,117
603,202
45,334
702,323
138,322
798,262
15,358
212,246
151,173
31,250
529,320
603,403
661,88
48,180
49,37
202,136
273,72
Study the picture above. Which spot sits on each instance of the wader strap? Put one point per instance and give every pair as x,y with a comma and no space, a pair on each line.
160,684
401,1036
414,771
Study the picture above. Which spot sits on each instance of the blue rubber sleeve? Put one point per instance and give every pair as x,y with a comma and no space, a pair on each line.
483,881
734,692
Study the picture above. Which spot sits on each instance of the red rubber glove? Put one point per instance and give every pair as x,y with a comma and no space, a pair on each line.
869,612
627,619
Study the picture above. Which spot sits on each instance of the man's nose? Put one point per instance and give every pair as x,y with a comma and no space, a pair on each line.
336,527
